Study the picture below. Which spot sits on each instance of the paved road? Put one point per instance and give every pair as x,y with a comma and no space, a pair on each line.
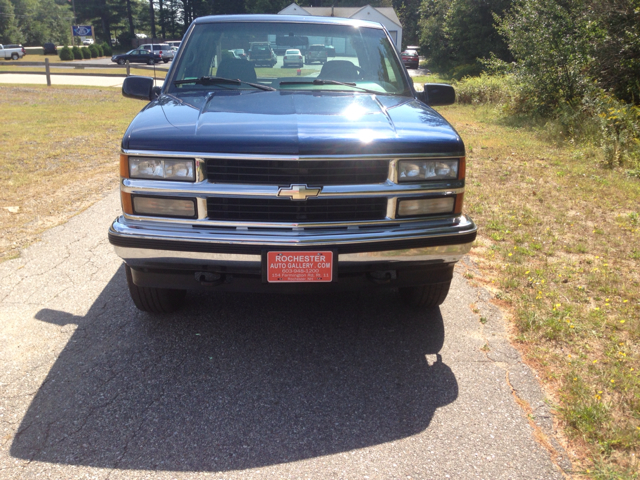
250,386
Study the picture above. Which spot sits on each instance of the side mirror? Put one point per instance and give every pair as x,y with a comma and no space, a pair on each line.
435,94
140,87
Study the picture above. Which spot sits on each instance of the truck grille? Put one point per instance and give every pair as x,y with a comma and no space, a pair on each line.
285,172
285,210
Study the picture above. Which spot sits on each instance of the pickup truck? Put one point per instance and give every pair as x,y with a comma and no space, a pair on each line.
343,179
12,52
315,53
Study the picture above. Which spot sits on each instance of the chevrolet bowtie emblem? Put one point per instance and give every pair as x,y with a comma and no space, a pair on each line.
299,192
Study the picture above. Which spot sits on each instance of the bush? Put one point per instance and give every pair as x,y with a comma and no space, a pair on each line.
106,49
598,119
94,51
77,54
466,70
86,54
66,54
496,89
100,51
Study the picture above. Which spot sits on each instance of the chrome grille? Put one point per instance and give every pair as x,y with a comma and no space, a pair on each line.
285,210
288,172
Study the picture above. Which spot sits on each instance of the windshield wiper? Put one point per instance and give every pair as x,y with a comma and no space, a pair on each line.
209,80
319,81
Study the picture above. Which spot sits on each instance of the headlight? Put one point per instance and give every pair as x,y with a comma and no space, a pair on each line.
161,169
421,170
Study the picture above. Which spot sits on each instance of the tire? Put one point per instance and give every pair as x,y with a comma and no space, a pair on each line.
121,61
154,300
150,62
165,61
15,56
425,296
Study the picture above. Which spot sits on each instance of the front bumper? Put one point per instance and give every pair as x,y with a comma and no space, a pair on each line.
147,244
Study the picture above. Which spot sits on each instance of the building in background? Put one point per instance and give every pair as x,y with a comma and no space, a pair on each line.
384,15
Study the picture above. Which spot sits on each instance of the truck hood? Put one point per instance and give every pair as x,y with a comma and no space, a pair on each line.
291,123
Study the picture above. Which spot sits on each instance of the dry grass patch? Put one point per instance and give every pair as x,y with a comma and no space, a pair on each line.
559,243
59,149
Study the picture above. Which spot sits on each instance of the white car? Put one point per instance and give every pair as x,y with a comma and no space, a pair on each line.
87,41
292,58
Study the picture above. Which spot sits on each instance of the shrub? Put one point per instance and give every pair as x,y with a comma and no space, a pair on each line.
100,51
77,54
466,70
66,54
497,89
94,51
86,54
106,49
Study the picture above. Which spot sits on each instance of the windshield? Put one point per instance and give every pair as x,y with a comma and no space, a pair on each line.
362,59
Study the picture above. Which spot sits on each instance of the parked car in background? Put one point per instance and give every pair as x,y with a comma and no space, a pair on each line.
50,49
87,41
262,54
316,53
331,50
168,55
410,59
137,55
174,43
12,52
160,48
292,58
240,53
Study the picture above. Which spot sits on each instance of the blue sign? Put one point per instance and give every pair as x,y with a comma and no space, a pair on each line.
83,31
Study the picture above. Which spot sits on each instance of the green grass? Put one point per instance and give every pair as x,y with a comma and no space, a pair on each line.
59,148
558,244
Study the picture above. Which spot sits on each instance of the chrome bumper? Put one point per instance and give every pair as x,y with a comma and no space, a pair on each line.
154,244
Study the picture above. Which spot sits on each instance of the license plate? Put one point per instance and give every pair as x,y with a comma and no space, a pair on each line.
299,267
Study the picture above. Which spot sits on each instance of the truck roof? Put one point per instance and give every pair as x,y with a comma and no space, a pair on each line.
287,19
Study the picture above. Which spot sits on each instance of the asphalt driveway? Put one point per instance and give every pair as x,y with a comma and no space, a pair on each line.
252,386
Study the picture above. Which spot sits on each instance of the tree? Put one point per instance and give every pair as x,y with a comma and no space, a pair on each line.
457,33
470,28
550,39
9,31
40,21
615,33
434,43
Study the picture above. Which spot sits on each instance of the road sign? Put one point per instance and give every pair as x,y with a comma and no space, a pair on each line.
82,31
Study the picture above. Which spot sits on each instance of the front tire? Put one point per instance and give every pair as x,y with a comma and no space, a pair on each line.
154,300
425,296
121,61
14,56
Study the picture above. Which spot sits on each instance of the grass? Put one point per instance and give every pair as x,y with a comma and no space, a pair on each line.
59,150
559,246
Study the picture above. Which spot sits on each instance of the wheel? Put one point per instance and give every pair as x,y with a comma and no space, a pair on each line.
15,56
150,62
165,61
425,296
154,300
121,61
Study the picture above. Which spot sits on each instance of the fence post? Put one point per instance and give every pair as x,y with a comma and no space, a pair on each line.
46,69
128,68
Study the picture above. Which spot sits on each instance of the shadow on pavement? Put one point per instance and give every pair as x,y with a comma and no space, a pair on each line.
235,381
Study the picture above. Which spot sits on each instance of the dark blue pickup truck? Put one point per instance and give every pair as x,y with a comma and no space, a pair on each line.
236,178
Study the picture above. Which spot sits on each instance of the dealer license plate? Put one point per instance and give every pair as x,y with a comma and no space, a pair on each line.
296,267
